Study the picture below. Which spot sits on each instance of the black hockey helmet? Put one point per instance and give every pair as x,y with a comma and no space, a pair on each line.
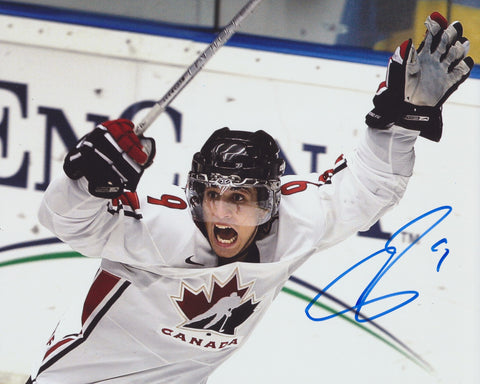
234,160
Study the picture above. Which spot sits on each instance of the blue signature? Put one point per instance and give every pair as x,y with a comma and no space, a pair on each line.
393,257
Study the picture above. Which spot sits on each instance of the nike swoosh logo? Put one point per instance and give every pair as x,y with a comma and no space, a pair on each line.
189,260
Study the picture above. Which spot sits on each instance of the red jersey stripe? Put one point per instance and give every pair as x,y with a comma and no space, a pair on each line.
101,287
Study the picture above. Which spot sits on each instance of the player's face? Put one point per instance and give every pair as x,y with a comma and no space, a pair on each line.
231,219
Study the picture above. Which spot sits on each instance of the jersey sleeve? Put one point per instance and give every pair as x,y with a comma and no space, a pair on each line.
352,196
90,227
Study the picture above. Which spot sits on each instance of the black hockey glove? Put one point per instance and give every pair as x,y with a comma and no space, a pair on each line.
111,157
419,81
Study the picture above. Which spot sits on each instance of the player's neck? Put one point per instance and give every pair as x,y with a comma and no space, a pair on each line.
249,255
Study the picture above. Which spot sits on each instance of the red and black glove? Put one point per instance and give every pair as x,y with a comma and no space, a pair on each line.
111,157
419,81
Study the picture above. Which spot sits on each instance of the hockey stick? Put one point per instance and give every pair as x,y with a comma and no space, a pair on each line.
199,63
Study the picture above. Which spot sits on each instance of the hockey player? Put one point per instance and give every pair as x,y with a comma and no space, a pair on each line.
186,275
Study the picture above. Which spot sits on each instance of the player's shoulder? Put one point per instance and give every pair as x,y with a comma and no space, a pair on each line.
164,210
157,204
291,185
168,196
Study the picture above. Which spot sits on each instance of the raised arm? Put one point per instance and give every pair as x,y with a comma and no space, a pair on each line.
361,188
103,165
409,102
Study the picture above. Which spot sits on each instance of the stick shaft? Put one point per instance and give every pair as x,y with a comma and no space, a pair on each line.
197,65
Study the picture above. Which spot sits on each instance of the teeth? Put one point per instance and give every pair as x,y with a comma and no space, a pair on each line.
222,240
225,241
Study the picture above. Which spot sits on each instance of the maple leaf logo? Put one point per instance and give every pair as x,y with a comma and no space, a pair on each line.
222,308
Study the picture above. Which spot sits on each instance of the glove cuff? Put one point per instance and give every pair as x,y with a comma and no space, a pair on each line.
427,120
380,118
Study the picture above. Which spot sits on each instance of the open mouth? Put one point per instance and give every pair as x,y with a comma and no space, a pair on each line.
225,234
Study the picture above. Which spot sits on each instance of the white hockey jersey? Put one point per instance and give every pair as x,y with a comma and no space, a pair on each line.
160,310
